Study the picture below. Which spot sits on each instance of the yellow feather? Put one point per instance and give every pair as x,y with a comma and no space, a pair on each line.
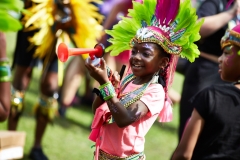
87,27
35,17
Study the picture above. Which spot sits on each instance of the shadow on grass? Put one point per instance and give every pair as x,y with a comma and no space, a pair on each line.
25,157
68,123
65,124
75,116
166,127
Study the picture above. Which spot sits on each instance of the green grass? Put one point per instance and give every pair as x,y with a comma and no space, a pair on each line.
67,139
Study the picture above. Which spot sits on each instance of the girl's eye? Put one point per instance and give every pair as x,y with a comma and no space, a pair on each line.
225,53
133,52
145,54
228,50
228,53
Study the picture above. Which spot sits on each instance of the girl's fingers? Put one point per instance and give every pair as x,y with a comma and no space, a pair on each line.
86,65
89,67
116,76
116,79
103,64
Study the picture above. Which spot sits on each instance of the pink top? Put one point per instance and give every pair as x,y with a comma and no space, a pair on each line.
123,142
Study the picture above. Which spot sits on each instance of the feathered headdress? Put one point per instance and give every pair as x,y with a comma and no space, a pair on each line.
9,10
84,23
169,23
231,37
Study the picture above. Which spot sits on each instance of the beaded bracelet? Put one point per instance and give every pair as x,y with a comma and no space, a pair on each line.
5,71
98,93
107,91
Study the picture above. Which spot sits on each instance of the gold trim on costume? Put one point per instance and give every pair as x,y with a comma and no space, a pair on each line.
159,39
47,106
17,101
106,156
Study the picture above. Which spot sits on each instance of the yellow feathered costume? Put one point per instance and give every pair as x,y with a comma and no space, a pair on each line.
84,26
53,20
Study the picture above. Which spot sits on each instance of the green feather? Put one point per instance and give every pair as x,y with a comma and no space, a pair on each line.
15,5
8,22
188,19
126,29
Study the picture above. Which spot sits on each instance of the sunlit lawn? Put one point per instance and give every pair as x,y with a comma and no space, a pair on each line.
67,138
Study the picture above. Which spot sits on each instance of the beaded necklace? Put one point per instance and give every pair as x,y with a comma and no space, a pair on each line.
123,85
132,96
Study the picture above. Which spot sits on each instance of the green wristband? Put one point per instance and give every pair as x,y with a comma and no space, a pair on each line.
107,91
5,71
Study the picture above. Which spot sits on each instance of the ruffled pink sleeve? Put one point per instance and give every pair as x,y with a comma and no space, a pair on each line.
154,98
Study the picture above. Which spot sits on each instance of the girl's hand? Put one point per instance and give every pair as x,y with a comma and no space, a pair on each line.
98,73
115,80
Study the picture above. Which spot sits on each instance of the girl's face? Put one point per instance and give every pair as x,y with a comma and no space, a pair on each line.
229,64
146,59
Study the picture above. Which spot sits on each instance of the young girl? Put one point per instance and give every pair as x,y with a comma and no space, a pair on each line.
124,113
213,131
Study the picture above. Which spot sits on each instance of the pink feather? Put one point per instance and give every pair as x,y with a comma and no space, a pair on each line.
166,10
229,3
173,11
140,1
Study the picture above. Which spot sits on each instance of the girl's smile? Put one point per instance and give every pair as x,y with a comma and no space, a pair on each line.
136,66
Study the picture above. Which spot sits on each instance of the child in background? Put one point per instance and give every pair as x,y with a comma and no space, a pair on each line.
123,114
213,131
203,72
